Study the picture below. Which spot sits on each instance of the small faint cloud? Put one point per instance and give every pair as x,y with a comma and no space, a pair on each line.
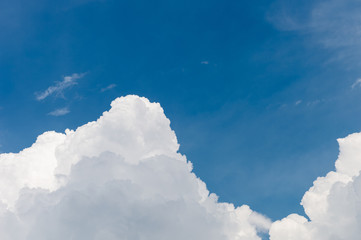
357,83
315,102
59,112
205,62
59,87
111,86
284,105
298,102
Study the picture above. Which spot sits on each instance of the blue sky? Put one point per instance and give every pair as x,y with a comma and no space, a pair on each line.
257,93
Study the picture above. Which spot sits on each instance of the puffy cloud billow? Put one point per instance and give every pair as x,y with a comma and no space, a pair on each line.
333,203
120,177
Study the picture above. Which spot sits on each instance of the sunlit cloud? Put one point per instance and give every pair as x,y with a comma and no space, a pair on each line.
119,177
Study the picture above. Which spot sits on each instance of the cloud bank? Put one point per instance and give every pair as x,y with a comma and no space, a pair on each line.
120,177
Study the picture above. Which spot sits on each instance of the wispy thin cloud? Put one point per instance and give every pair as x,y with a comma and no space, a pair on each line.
111,86
59,112
205,62
314,102
333,24
59,87
357,83
298,102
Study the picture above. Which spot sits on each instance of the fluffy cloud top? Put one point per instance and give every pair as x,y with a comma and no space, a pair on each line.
120,177
333,204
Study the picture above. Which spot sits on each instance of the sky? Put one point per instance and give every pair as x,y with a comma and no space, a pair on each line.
256,92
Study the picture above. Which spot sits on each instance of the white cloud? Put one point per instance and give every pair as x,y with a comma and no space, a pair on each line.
59,112
120,177
357,83
59,87
205,62
111,86
333,204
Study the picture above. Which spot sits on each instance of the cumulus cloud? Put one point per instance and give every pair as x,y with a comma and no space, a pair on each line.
59,87
332,204
120,177
59,112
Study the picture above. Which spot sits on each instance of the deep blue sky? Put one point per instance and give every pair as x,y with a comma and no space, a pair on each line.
257,92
